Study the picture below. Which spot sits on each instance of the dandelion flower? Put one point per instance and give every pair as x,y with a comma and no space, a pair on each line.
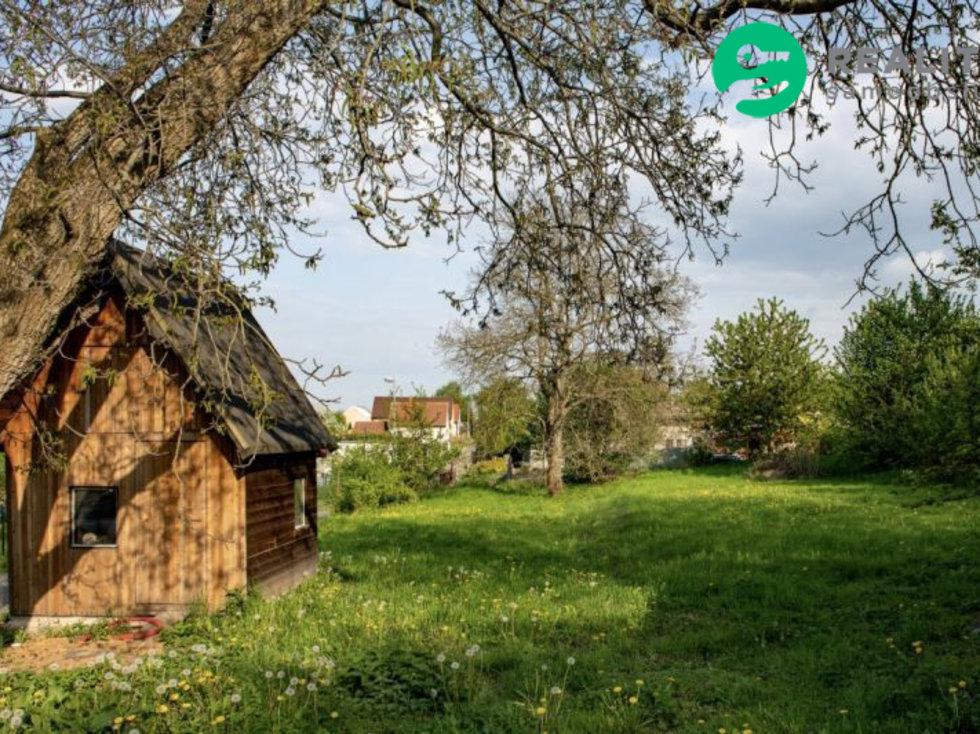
334,714
236,698
293,681
571,660
163,708
316,649
962,684
281,674
454,665
290,691
555,691
16,722
186,672
540,711
617,689
269,674
633,700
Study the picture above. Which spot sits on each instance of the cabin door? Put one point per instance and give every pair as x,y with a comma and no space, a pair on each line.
169,510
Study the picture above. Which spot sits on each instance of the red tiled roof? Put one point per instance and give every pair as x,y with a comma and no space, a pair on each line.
434,411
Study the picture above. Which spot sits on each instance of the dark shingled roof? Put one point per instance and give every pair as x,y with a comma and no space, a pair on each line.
228,356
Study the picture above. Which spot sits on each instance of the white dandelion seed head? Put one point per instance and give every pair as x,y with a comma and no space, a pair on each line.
6,714
16,722
555,691
571,660
280,674
110,656
311,686
290,691
161,689
454,665
441,657
186,672
316,649
293,681
172,683
544,667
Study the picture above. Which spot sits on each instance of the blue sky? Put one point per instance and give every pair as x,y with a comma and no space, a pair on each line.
377,313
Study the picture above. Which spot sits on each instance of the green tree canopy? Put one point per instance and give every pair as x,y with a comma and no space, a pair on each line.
765,377
888,349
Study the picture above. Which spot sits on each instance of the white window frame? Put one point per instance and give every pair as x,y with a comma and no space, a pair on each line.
299,503
71,509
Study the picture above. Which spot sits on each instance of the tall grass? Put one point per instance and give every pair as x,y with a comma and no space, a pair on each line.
680,600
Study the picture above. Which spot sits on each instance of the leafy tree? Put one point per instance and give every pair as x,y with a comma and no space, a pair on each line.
765,378
201,127
505,418
613,423
559,296
888,349
947,414
454,390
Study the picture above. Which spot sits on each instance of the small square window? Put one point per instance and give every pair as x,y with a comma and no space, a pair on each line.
299,501
93,516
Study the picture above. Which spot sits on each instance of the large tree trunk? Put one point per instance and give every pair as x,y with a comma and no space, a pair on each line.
554,432
88,170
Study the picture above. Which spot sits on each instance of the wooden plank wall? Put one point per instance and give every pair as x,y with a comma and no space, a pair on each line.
180,524
279,554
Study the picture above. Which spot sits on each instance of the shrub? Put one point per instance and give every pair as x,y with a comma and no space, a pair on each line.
366,477
798,463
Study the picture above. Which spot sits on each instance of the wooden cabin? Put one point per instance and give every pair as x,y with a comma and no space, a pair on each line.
161,456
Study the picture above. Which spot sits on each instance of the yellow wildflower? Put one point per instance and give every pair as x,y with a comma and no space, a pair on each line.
540,711
219,719
617,689
633,700
334,714
163,708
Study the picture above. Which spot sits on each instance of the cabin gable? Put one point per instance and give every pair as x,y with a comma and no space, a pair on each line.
117,415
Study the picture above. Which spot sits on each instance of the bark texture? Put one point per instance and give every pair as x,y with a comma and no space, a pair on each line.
89,169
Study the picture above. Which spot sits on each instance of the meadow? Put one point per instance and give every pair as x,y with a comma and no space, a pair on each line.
689,600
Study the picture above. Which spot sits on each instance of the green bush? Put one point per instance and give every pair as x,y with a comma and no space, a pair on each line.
365,477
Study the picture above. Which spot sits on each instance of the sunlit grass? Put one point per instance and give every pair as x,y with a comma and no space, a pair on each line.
690,601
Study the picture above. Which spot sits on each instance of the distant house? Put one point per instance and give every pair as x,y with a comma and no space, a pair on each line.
441,415
355,414
174,483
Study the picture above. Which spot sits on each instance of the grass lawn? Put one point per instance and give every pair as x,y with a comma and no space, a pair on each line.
682,600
